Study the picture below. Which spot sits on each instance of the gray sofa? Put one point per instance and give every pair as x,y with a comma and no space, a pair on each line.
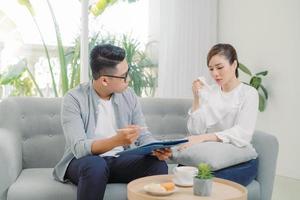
32,142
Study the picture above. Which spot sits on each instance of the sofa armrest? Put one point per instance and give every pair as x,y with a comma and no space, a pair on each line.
10,159
267,147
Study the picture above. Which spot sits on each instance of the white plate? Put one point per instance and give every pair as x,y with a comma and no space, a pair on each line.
158,193
182,184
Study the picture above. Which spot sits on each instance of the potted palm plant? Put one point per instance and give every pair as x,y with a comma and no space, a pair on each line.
203,180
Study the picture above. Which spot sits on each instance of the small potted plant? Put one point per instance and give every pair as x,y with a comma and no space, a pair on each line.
203,180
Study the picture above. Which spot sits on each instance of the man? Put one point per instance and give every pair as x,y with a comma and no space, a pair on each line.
99,119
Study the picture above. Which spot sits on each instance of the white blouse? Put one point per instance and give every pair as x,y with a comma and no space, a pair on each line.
230,115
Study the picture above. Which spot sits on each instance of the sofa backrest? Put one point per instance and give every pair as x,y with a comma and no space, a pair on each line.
37,123
166,118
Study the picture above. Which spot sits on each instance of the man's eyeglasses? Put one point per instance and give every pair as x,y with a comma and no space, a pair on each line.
126,77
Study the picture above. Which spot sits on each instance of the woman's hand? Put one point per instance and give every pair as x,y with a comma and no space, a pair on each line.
196,139
162,154
196,87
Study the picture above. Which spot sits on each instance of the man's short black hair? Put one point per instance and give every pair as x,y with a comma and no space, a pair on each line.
104,58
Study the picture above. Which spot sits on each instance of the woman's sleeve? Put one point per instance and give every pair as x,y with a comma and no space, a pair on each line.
210,112
241,133
196,121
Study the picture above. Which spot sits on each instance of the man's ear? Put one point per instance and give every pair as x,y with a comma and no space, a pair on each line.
104,80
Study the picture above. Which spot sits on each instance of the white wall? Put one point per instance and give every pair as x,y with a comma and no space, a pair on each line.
266,34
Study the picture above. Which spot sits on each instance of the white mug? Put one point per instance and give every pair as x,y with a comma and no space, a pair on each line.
184,175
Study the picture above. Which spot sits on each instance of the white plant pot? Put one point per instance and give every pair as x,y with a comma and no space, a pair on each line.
202,187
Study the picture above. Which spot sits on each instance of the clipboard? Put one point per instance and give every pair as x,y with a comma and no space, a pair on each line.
148,148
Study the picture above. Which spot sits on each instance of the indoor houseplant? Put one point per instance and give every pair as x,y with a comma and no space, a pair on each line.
256,82
203,180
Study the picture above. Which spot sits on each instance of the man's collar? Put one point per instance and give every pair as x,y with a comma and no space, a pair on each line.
114,96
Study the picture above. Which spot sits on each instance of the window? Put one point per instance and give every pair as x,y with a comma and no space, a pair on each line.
121,18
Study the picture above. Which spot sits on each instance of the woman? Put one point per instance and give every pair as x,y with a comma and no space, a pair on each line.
225,112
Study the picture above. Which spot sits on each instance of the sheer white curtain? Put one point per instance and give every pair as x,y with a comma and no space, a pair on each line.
187,29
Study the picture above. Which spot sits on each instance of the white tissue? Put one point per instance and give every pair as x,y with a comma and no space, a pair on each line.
205,90
203,80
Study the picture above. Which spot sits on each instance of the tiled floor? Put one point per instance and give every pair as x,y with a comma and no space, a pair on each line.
286,188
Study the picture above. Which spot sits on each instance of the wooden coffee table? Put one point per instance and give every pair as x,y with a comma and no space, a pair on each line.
222,189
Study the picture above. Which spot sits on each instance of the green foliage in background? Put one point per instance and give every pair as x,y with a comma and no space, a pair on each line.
256,82
143,71
30,9
96,9
19,76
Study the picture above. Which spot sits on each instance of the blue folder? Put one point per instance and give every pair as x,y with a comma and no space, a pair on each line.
148,148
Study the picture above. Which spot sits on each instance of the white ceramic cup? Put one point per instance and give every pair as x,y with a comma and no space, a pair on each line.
184,175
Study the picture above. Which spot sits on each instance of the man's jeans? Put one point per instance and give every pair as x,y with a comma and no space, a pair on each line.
92,173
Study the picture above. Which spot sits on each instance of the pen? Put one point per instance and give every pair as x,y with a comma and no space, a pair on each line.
141,128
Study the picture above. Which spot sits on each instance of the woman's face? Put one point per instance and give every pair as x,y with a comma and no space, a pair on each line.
221,70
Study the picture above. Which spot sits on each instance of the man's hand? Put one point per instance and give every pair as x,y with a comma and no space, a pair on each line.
162,154
127,135
124,136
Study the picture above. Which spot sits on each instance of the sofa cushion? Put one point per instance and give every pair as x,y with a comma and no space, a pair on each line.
218,155
38,183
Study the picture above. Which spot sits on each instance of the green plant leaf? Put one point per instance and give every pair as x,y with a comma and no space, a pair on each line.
22,87
263,73
255,82
73,58
28,5
99,7
63,66
262,103
244,69
34,82
45,48
13,72
264,91
204,171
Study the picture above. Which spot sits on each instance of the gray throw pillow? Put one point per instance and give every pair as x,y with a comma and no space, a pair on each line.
218,155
